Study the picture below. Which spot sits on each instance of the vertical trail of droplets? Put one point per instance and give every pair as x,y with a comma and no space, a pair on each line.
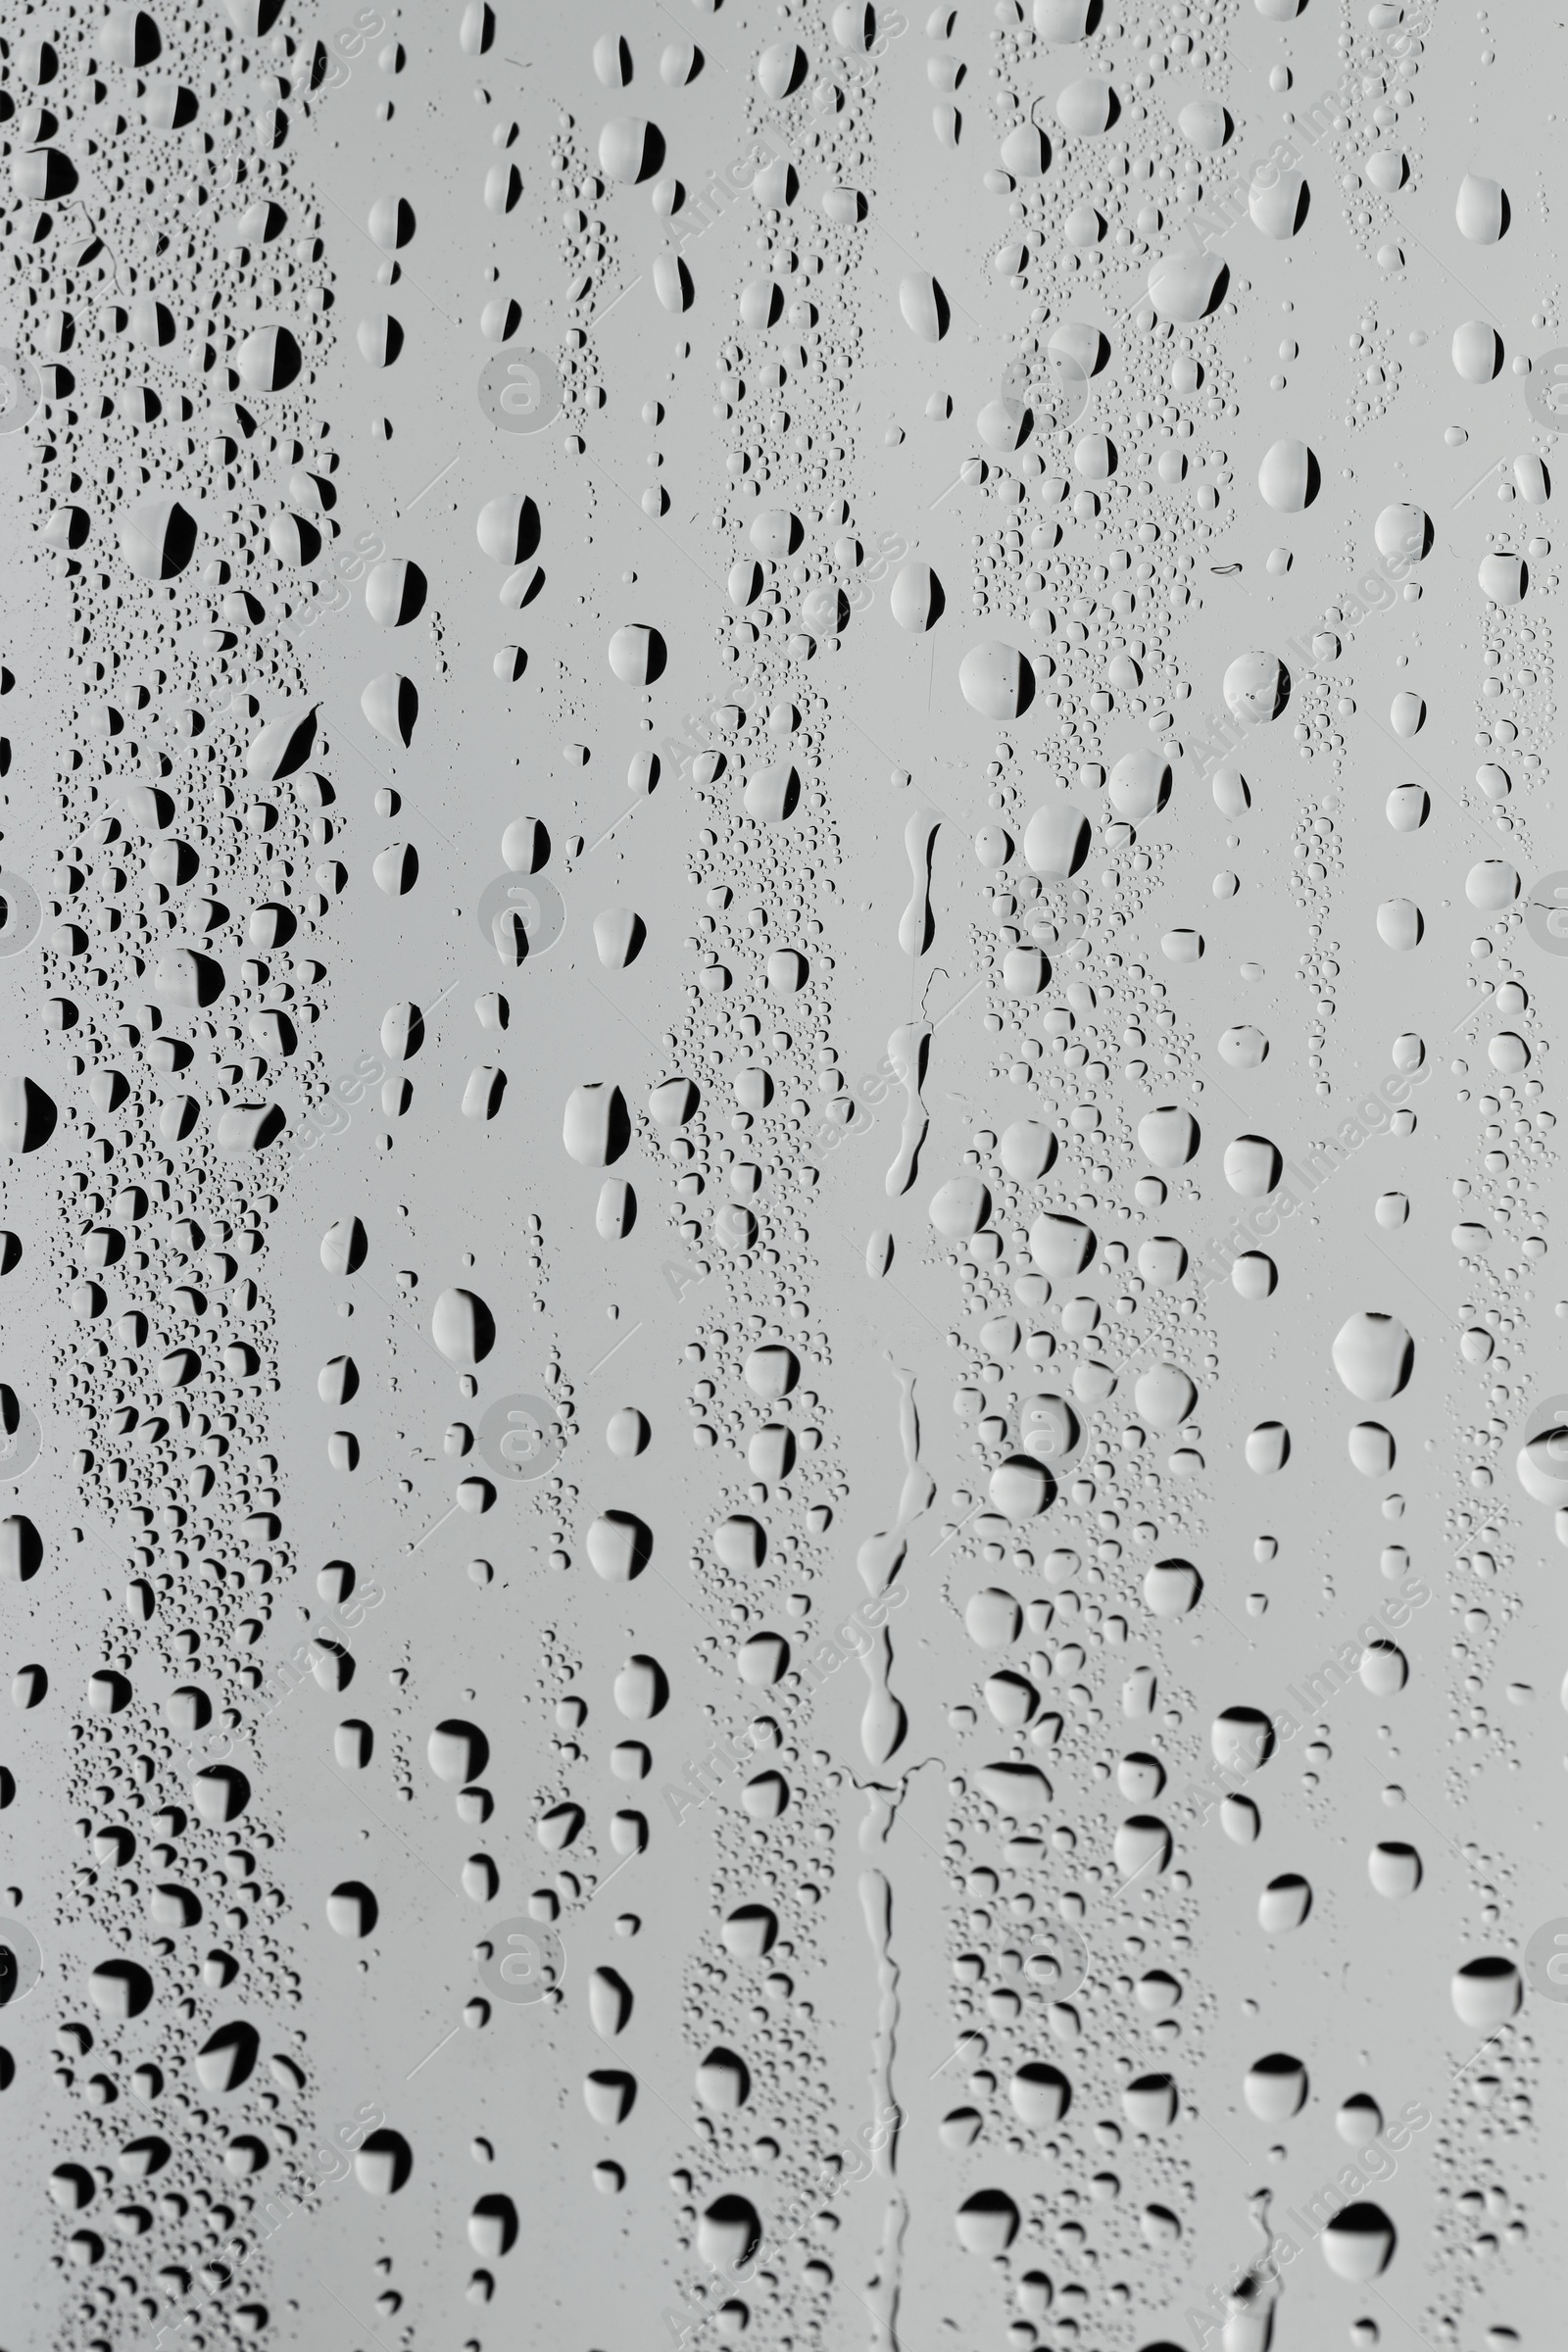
167,287
876,1904
883,1732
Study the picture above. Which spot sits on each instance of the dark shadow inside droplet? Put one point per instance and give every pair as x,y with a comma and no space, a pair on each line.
414,590
137,1985
394,2149
499,2210
618,1127
653,151
179,541
370,1909
639,1535
40,1116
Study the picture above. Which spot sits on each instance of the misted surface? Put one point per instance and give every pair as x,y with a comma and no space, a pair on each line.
784,1358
